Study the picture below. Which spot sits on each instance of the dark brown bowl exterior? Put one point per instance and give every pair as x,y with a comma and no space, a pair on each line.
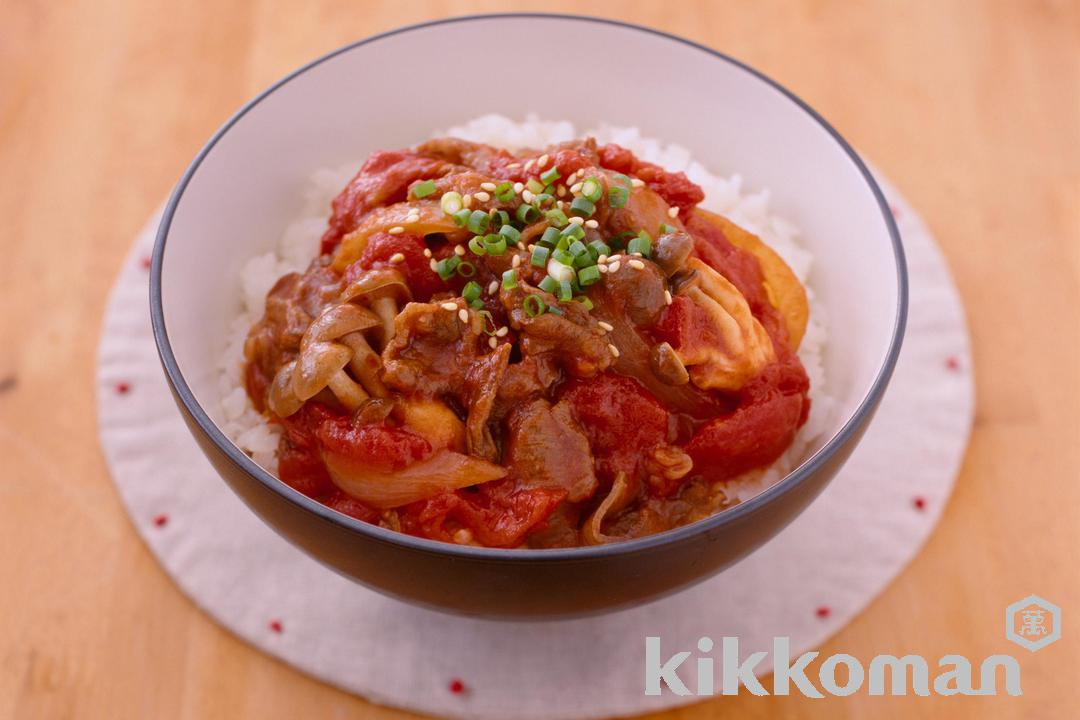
517,584
535,584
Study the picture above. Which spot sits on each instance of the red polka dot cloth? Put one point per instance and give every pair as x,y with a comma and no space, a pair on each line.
807,583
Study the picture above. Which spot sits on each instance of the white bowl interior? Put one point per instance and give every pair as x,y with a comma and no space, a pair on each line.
395,91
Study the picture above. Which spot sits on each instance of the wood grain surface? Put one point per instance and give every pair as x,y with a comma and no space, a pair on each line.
972,108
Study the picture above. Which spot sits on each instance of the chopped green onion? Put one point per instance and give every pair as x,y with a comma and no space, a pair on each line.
566,292
564,242
620,240
623,179
540,256
587,276
511,233
550,237
543,198
577,248
641,244
478,222
600,247
562,257
509,279
550,175
548,284
534,186
471,291
618,196
495,244
555,310
422,190
582,207
476,244
584,300
591,189
534,305
466,269
665,229
573,232
585,259
476,304
499,218
461,217
450,202
447,266
556,217
505,192
527,214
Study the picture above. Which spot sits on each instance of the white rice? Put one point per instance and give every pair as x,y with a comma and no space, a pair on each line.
300,243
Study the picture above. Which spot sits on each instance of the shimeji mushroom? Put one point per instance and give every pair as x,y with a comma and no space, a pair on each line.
383,289
346,324
321,365
667,366
281,399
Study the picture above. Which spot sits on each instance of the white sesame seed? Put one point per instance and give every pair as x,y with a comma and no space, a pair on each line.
434,265
501,332
542,161
459,250
482,196
673,212
561,191
493,343
427,252
489,186
613,267
515,261
397,257
637,182
608,327
493,287
396,230
601,260
463,315
449,306
636,254
577,220
528,165
575,188
513,166
590,223
527,196
614,350
615,258
561,204
636,264
667,296
521,245
518,187
602,268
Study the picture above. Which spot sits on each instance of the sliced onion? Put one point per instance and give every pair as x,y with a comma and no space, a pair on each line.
445,470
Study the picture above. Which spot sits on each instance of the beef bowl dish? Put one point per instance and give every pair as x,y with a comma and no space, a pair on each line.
524,364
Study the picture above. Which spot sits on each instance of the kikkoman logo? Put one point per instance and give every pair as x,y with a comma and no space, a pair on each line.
1032,622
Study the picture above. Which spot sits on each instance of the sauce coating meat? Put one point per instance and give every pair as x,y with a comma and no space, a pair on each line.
537,349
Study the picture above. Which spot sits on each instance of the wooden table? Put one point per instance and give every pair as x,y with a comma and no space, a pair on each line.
973,109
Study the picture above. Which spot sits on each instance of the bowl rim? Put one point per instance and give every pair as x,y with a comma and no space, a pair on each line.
676,535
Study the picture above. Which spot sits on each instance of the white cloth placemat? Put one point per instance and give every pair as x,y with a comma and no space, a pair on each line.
807,583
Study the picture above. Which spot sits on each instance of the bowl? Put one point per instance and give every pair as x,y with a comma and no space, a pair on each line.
393,90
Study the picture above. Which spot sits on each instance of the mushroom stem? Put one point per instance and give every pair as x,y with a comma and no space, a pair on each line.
667,365
365,364
386,308
281,399
348,392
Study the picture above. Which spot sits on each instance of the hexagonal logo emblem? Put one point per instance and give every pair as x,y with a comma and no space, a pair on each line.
1033,623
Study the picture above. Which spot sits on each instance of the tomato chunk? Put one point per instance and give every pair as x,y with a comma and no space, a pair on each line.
621,419
676,189
499,514
774,406
414,266
378,446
